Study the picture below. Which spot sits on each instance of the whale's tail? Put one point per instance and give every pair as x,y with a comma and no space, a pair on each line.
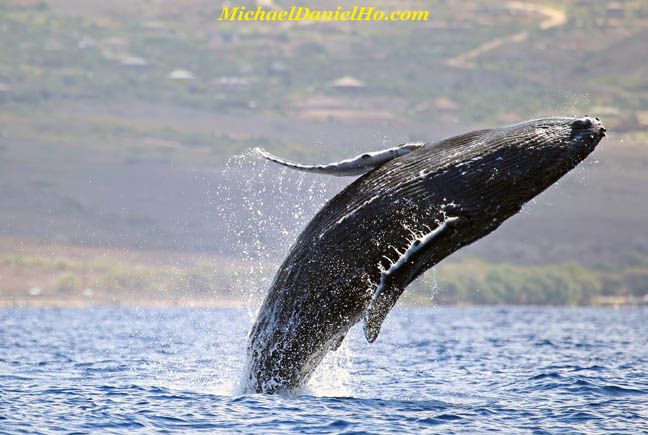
350,167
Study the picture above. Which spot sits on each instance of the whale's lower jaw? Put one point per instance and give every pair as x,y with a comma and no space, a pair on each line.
363,248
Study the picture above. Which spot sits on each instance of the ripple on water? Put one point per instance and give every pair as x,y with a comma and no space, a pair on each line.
439,370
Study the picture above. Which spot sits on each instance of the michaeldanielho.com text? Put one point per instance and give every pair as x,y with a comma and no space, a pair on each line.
303,13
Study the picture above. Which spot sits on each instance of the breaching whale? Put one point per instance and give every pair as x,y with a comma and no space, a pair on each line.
415,205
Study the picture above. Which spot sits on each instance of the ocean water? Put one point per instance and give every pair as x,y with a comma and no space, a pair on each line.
449,370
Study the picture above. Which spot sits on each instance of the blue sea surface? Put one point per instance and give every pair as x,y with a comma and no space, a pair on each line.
449,370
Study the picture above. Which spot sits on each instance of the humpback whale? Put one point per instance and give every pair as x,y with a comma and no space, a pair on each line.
411,207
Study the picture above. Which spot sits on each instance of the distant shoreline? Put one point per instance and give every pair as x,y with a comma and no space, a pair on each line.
85,302
35,302
47,274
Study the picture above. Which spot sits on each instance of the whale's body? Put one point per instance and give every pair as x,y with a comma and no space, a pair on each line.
357,255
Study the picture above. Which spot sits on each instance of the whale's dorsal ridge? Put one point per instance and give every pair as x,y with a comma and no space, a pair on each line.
350,167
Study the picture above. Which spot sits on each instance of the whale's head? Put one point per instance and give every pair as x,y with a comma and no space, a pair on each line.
587,129
506,167
541,151
585,135
564,140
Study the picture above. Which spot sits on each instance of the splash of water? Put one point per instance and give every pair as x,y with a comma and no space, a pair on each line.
263,208
332,377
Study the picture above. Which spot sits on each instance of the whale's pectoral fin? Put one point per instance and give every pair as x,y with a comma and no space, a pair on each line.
394,279
378,310
355,166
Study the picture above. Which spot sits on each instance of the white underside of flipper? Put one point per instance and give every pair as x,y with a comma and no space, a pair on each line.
354,166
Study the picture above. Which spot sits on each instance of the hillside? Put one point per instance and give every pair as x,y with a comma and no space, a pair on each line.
117,119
